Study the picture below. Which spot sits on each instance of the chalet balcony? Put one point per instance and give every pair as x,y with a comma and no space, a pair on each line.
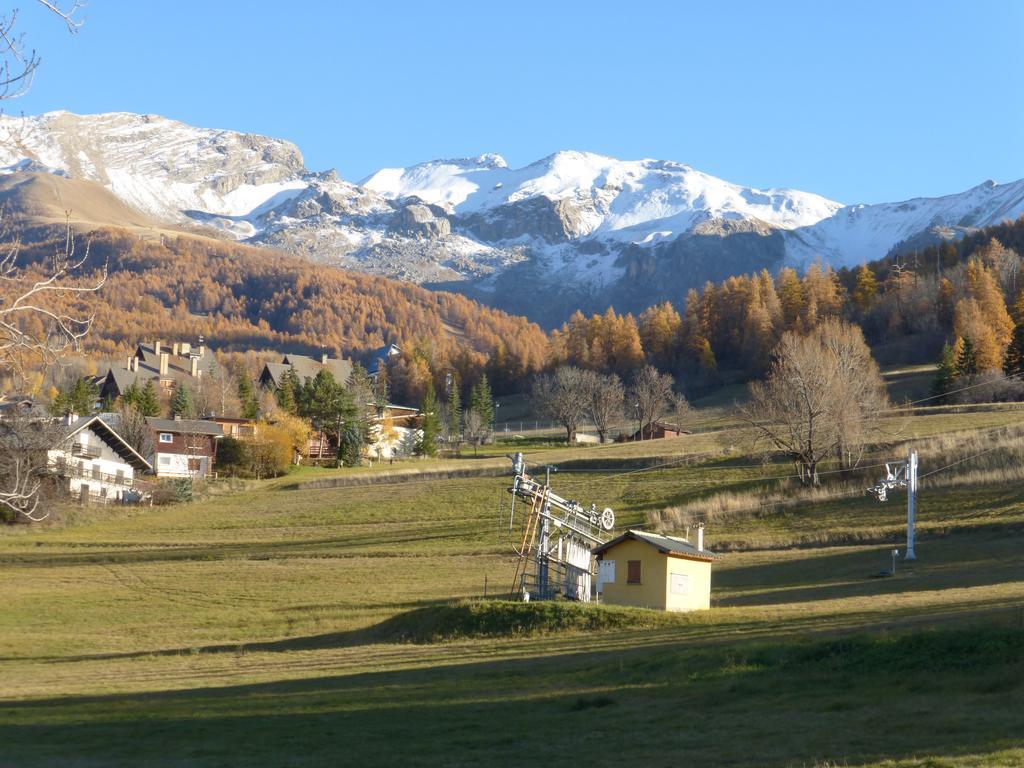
64,469
87,451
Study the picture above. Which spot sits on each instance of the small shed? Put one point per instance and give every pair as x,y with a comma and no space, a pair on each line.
649,570
658,430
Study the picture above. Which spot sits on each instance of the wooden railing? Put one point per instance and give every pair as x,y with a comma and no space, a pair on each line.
65,469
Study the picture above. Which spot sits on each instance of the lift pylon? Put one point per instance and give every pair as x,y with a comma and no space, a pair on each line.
558,538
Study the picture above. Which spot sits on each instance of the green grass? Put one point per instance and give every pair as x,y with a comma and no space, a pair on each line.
279,626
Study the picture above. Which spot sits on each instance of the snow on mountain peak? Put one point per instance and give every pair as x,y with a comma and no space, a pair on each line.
579,216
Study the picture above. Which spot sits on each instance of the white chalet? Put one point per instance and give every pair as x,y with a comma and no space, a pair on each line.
94,462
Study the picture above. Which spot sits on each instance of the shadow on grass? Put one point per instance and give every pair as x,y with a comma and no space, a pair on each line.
983,558
716,705
349,544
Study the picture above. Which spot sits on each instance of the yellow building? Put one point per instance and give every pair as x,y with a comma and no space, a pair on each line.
654,571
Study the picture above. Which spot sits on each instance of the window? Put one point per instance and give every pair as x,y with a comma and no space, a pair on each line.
165,461
632,571
166,437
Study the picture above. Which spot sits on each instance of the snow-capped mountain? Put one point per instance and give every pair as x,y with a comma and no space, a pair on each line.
574,229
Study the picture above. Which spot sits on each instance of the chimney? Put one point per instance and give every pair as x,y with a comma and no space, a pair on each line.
176,349
185,348
195,367
700,537
202,350
164,360
157,346
71,418
129,364
133,363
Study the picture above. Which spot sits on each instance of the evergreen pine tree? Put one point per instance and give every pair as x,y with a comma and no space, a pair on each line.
132,395
181,402
967,361
381,388
454,411
481,402
945,377
285,394
430,424
1013,361
247,397
79,398
149,401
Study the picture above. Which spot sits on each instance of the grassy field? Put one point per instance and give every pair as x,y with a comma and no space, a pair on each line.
280,625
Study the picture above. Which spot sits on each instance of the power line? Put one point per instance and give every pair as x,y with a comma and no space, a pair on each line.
961,461
956,391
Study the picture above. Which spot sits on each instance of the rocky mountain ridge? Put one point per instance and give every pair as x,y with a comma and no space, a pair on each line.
574,229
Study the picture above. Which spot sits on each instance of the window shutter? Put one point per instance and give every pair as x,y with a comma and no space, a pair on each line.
632,571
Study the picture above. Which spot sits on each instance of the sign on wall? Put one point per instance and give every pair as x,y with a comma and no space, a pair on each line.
680,584
605,573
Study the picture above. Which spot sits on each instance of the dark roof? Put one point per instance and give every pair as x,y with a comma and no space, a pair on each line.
665,544
13,402
187,426
179,367
109,435
306,368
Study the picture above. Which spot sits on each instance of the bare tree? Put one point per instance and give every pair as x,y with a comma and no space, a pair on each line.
39,324
562,396
678,410
651,395
18,63
474,428
25,439
133,428
821,398
605,396
36,328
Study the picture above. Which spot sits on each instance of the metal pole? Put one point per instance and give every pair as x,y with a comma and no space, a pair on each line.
911,503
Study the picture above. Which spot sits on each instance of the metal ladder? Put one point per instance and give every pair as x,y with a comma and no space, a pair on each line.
529,537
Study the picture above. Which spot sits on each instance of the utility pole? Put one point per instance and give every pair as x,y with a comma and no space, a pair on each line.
902,474
911,503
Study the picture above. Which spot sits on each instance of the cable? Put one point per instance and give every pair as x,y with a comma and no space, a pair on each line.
960,461
955,391
726,480
784,502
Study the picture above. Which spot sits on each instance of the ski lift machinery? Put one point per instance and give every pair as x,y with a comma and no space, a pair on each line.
558,538
901,474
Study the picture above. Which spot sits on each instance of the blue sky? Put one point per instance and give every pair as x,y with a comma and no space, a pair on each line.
860,102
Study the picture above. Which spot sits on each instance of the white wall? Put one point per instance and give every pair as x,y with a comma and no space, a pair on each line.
176,465
108,463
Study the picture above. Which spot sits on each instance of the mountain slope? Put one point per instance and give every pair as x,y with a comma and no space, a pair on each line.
573,230
862,233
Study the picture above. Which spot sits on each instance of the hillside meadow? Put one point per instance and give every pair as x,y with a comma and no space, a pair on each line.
280,623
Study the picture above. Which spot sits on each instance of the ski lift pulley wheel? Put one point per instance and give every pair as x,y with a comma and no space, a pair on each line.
607,519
